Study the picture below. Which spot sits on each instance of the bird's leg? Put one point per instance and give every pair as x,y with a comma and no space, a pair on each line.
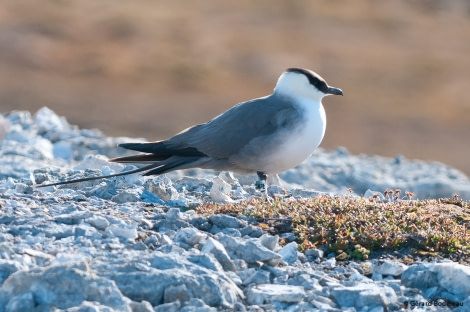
261,183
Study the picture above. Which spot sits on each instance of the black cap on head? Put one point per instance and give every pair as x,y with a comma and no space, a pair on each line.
316,81
312,77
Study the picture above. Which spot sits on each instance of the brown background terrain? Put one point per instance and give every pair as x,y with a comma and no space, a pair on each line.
152,68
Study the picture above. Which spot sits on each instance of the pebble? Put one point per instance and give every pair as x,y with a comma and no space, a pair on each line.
289,253
131,244
269,241
217,249
392,268
364,295
268,293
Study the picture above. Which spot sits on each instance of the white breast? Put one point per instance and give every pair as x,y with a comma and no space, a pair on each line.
298,145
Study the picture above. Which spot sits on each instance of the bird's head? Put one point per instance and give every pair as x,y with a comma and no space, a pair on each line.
304,83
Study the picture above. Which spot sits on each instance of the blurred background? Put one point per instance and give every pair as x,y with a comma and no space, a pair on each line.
152,68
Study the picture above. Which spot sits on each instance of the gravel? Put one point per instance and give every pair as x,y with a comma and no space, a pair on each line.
133,244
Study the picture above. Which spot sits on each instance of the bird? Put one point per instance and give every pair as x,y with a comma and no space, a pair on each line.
266,135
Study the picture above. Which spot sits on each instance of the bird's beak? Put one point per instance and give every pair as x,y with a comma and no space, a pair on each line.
334,91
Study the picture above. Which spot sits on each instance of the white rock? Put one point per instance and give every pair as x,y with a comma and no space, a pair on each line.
388,267
228,177
225,221
250,251
359,277
289,253
7,267
98,222
218,250
267,293
173,214
314,253
46,119
44,146
219,191
419,276
269,241
258,277
189,236
21,302
321,302
330,263
162,187
76,286
176,292
454,277
143,306
363,294
164,239
124,230
376,276
127,196
168,307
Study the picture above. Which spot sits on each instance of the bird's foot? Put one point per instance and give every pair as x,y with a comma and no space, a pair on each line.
260,185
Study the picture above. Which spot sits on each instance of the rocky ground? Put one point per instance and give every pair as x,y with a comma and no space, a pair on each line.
134,243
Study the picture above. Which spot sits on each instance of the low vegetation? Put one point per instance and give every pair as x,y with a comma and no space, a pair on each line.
354,227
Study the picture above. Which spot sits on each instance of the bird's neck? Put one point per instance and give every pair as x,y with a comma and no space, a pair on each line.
299,95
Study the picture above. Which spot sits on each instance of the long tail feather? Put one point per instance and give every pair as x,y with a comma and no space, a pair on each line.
161,149
139,158
176,164
102,177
